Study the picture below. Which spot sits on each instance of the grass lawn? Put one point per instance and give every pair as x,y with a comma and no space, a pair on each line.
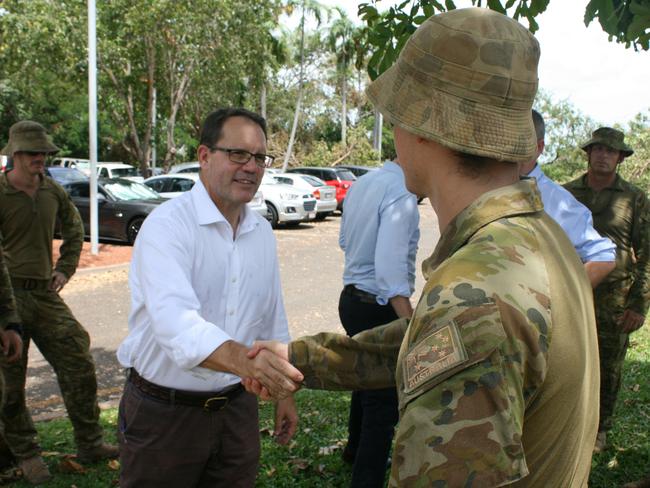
314,457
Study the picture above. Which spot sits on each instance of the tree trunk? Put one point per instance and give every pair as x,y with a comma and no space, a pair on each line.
263,101
296,114
344,109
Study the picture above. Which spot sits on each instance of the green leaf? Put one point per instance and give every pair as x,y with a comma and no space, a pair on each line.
496,6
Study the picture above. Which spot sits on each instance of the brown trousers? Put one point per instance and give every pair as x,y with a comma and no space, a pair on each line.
164,445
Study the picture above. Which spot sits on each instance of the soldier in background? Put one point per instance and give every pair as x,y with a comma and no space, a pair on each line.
495,371
30,204
621,211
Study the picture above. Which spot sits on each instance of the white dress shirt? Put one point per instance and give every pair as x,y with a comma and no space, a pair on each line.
193,288
574,218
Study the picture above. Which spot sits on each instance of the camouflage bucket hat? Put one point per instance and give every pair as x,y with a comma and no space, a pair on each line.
467,80
611,138
28,136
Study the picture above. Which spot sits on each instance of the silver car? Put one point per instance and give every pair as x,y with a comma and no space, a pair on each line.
287,204
325,195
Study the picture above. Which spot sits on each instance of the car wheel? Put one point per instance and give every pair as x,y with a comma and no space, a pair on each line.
273,215
133,228
323,215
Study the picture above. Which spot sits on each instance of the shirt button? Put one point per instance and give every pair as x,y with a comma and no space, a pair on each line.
232,312
234,279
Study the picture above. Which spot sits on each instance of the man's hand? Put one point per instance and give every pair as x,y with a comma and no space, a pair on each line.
275,374
630,321
251,384
59,280
286,420
12,345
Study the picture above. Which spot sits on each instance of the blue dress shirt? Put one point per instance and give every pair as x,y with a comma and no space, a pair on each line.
575,219
379,234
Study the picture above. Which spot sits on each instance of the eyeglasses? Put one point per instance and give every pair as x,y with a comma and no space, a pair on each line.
240,156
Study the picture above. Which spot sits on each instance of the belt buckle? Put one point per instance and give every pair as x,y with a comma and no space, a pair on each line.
29,284
208,403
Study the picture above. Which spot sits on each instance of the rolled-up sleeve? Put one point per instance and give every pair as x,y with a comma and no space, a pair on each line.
396,248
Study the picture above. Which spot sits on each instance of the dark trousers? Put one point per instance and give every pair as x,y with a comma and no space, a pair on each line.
373,413
165,445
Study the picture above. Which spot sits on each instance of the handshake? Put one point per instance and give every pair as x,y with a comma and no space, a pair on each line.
270,374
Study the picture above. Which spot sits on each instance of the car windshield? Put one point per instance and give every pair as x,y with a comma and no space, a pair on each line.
124,172
313,181
130,190
269,180
66,175
344,174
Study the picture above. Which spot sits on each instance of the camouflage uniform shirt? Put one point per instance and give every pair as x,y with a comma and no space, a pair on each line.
497,371
622,213
27,226
8,314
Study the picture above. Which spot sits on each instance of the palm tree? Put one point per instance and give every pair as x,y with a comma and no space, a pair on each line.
341,41
316,9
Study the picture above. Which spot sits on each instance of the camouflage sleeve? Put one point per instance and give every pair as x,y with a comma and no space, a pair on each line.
8,314
638,299
337,362
72,234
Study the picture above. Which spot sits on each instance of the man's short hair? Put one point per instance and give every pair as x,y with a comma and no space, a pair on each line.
540,126
213,123
472,166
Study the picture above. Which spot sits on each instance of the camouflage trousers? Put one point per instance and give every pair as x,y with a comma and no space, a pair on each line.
65,344
609,300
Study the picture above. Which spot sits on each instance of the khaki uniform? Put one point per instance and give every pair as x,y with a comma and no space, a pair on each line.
496,371
8,313
622,213
27,227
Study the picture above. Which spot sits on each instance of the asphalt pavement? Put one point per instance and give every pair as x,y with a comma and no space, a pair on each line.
311,267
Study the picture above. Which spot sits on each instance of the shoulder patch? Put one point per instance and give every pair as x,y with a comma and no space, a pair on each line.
440,351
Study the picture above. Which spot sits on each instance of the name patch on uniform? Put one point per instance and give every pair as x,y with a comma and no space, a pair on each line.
440,351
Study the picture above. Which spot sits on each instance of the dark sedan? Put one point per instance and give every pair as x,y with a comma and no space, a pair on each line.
122,206
63,175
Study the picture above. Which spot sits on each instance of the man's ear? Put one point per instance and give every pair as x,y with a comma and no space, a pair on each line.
202,154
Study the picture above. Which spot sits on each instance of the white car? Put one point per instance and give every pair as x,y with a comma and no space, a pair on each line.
192,167
173,185
119,170
325,195
287,204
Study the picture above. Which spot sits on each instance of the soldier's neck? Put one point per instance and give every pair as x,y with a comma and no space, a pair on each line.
599,181
25,182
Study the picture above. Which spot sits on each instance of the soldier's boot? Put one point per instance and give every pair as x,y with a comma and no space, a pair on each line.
34,470
643,483
601,442
97,453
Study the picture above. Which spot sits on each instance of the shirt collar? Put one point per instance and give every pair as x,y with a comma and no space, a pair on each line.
519,198
208,213
536,172
45,183
393,167
616,186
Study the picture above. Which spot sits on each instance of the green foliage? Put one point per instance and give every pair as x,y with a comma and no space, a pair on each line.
627,21
313,458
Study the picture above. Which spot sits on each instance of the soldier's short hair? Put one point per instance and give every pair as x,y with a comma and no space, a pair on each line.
540,126
213,125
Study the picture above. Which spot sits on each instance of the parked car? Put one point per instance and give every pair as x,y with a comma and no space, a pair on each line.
287,204
172,185
63,175
122,206
357,170
341,179
119,170
192,167
325,195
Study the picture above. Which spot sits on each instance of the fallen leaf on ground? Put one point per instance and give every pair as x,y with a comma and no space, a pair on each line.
69,466
113,464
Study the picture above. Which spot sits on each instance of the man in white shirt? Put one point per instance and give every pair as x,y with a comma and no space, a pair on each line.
205,284
597,253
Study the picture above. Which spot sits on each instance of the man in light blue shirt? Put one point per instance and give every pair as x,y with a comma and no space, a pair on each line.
379,235
597,253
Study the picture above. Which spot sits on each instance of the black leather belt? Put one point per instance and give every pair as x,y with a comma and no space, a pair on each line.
29,284
363,296
213,401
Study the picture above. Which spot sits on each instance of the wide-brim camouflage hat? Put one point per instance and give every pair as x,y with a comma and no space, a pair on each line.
29,136
611,138
466,79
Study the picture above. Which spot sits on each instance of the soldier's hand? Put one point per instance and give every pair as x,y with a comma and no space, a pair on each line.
59,280
630,321
12,345
255,385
